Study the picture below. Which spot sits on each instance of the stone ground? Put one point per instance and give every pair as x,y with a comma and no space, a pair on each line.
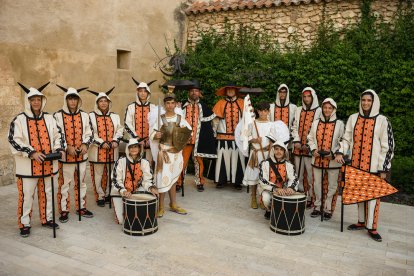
221,235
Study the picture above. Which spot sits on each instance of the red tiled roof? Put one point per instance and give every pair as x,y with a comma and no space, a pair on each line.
225,5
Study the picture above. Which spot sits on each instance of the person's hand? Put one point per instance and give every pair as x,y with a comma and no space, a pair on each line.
289,191
383,175
105,145
258,140
127,194
158,135
83,149
71,150
114,145
297,145
315,153
339,159
38,156
154,191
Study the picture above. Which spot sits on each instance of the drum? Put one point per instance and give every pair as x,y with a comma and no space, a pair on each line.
140,214
287,216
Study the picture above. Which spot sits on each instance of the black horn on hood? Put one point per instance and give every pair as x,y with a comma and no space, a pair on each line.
25,89
43,86
63,88
81,89
151,82
93,92
110,91
136,82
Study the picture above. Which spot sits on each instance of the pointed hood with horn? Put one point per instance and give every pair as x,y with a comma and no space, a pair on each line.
143,85
279,143
30,92
71,92
375,108
287,101
333,115
135,141
100,95
314,103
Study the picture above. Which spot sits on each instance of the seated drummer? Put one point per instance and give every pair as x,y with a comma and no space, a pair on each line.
130,174
276,175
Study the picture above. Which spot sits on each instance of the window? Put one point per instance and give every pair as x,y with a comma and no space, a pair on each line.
123,58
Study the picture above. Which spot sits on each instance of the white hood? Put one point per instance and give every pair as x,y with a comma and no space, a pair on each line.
315,102
287,101
30,92
100,96
333,115
71,91
143,85
375,104
280,144
134,141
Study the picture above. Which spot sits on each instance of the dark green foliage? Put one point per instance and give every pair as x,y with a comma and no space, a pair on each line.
340,64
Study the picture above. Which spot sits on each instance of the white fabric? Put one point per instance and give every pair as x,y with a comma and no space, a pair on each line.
305,165
69,171
332,187
370,213
98,170
277,103
231,157
265,183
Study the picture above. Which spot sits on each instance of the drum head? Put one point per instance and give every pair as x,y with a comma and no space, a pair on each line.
141,197
294,196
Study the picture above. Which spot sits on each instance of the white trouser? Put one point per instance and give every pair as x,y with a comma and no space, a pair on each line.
306,164
68,175
266,197
368,213
98,170
230,156
27,188
332,187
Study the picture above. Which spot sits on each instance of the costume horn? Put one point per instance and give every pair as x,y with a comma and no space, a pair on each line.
136,82
151,82
93,92
110,91
63,88
81,89
43,87
24,88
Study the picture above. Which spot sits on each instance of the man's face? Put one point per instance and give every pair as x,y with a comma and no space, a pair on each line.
134,150
282,94
170,105
194,94
327,109
307,98
36,103
142,94
103,104
72,102
366,102
231,92
263,114
279,152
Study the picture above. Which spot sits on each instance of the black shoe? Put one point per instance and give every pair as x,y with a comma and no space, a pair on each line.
375,236
178,188
315,213
85,213
101,202
107,199
200,187
327,216
64,217
49,224
219,185
25,232
267,215
355,226
238,187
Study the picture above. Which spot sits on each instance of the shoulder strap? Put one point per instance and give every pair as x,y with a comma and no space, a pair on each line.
178,120
279,178
164,120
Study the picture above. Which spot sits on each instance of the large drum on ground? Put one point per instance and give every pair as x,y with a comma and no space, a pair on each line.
140,214
287,215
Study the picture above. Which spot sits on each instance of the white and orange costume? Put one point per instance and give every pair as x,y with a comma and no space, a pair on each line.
107,128
283,111
29,134
325,135
370,143
77,130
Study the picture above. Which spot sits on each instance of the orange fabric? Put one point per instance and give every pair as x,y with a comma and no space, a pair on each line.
40,141
73,134
282,114
41,200
324,137
129,185
305,124
20,201
192,112
187,153
105,129
272,175
41,197
230,112
362,186
141,122
59,193
363,139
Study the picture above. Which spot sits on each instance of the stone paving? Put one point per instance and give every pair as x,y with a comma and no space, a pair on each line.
221,235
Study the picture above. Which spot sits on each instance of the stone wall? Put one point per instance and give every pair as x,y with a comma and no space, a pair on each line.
286,23
74,43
